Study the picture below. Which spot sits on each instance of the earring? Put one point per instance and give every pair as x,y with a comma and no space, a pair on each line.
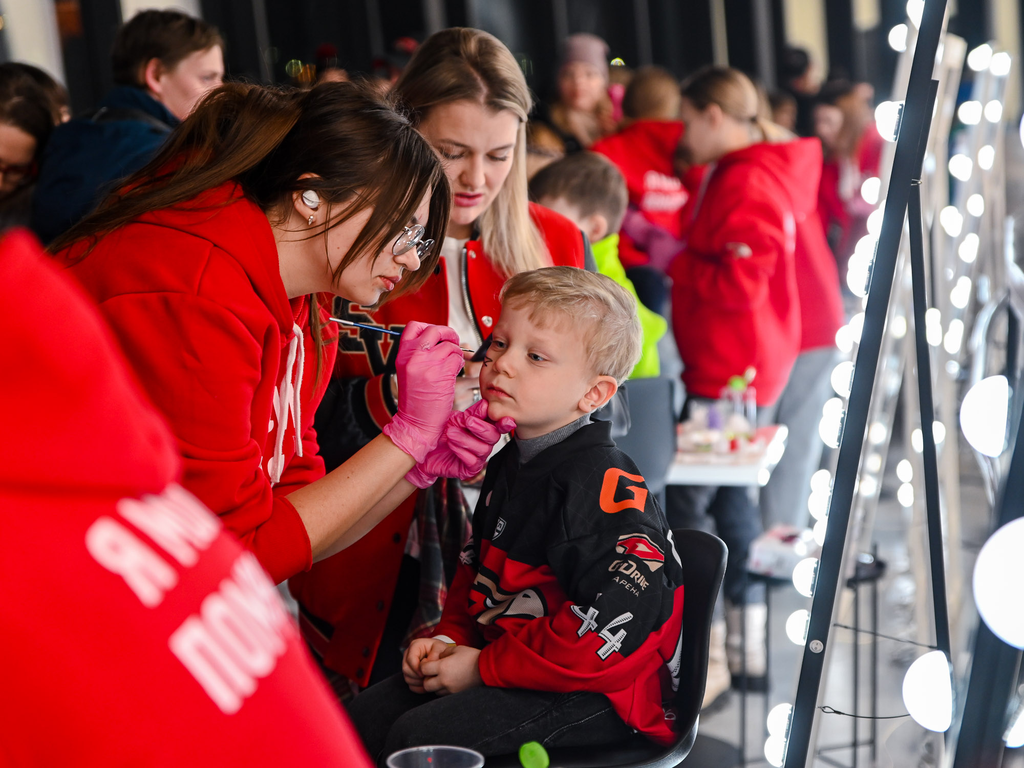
310,219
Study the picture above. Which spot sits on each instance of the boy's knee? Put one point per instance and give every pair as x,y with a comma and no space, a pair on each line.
413,729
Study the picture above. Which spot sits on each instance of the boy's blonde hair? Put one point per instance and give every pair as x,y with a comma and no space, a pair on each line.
602,309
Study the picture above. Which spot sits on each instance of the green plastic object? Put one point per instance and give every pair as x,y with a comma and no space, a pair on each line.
737,383
533,755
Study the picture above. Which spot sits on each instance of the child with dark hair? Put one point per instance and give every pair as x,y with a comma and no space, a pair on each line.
589,191
164,63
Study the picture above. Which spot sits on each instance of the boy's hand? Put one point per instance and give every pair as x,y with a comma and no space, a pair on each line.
420,650
456,670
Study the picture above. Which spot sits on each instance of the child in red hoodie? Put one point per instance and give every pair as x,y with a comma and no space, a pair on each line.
645,151
563,622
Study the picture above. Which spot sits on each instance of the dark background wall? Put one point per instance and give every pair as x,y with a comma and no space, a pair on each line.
264,35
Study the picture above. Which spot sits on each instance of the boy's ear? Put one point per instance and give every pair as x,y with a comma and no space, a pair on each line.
602,389
596,227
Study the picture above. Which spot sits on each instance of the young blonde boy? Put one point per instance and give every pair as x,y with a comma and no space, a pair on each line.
563,622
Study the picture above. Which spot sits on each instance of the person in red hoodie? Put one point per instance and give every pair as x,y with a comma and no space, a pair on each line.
211,265
136,630
469,98
735,303
645,151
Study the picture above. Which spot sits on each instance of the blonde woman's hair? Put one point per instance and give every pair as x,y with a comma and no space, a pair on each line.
737,96
461,64
602,309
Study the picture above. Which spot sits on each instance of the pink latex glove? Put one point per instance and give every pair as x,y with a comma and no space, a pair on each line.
463,448
428,360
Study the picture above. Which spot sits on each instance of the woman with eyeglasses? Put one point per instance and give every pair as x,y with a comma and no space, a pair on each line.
26,122
215,265
468,96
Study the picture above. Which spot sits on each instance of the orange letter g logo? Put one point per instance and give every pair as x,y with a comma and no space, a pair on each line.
611,483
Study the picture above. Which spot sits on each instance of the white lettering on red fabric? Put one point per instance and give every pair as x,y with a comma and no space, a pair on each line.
175,521
237,636
122,552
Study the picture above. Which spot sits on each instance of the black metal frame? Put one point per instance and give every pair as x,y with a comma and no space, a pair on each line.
914,125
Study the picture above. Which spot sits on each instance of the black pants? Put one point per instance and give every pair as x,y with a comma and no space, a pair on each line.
493,721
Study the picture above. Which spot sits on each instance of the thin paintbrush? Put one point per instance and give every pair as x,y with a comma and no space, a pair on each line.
378,329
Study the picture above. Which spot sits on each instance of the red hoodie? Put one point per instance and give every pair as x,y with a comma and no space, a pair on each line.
195,298
135,630
735,301
645,153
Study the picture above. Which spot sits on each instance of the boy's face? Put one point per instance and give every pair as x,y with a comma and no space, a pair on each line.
539,375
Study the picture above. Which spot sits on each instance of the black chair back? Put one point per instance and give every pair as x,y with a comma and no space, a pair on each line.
703,556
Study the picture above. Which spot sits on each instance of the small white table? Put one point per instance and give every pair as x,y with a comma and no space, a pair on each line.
755,468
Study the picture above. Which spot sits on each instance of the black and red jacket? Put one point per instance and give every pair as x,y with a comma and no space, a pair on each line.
571,581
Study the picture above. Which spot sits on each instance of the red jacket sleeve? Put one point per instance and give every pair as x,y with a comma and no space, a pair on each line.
456,622
201,371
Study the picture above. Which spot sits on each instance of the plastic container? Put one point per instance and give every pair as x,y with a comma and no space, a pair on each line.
436,757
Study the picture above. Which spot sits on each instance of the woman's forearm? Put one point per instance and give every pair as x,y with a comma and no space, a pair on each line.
342,506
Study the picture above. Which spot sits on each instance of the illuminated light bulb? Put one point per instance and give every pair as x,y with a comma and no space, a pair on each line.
933,326
954,336
905,495
844,339
842,378
775,751
938,432
986,157
983,415
858,273
950,218
960,295
915,10
817,504
832,407
961,166
763,476
873,463
804,574
796,626
952,368
857,326
917,440
818,532
899,326
887,115
779,718
874,223
821,481
980,57
1000,64
877,433
871,189
829,430
868,486
1020,130
970,112
997,574
928,692
994,111
968,250
866,245
976,205
1014,737
905,471
898,38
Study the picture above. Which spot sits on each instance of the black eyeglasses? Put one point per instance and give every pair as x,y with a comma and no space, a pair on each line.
412,237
